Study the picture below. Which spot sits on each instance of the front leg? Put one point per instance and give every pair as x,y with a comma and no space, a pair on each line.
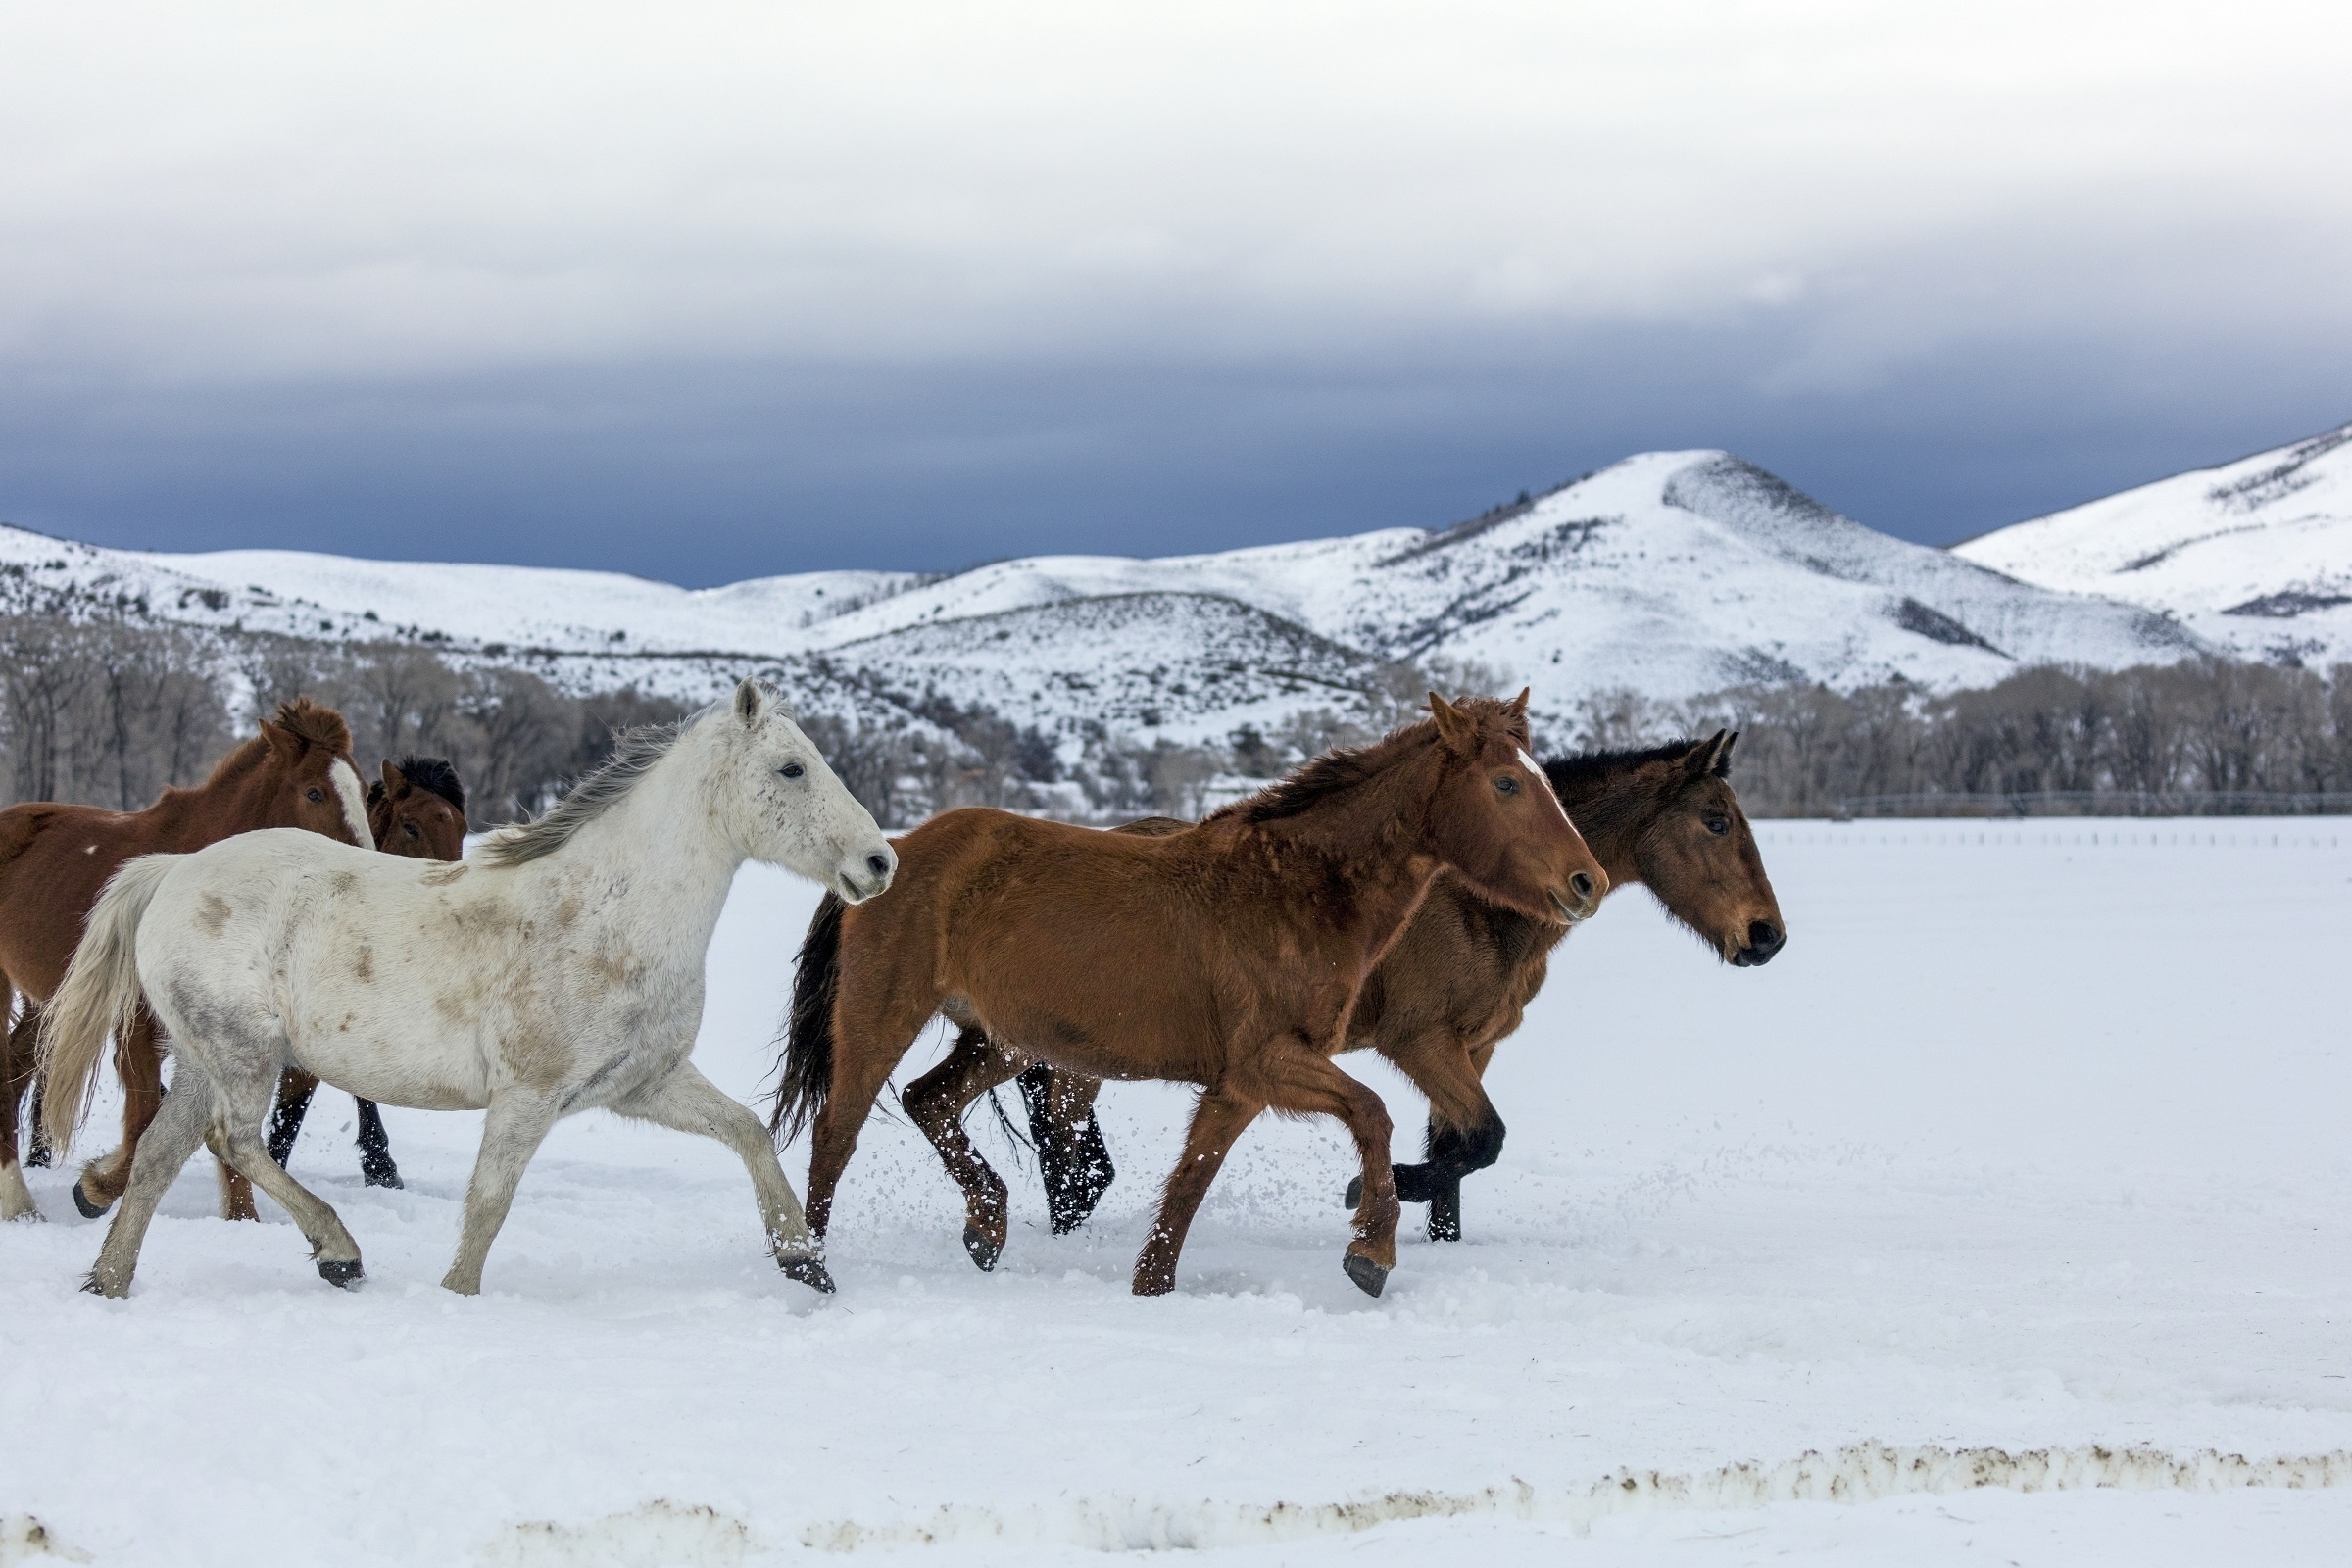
1465,1132
692,1103
516,1125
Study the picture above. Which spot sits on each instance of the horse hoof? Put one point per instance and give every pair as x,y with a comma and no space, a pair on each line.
382,1176
89,1210
343,1275
37,1158
984,1252
810,1272
1369,1276
1355,1193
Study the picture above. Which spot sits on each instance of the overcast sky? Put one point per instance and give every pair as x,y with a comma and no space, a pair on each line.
709,291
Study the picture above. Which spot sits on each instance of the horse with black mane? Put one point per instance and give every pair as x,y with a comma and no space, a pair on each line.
1459,979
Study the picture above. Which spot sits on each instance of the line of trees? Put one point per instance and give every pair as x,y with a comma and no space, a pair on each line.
110,711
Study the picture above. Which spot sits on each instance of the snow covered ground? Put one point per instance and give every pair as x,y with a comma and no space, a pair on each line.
2034,1137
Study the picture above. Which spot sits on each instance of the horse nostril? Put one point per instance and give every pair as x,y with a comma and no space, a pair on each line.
1582,884
878,865
1764,936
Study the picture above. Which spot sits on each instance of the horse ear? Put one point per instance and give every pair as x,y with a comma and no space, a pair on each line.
283,740
746,701
1710,755
394,778
1453,728
1516,708
1722,758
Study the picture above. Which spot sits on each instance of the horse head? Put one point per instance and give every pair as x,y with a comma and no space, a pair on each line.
419,810
1496,822
309,779
786,807
1697,855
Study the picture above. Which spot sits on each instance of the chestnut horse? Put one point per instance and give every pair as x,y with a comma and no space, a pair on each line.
54,859
1458,980
417,809
1228,957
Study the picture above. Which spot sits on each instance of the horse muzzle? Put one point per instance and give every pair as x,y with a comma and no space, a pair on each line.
1582,901
1764,939
867,878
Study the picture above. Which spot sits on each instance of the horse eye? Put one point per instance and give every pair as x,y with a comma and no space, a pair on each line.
792,770
1719,825
318,796
1508,784
410,828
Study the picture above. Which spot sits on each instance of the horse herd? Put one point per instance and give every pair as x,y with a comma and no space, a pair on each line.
280,927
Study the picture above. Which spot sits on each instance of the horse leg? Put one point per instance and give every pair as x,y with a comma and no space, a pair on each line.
1217,1120
1464,1134
236,1193
512,1133
1070,1152
241,1149
37,1152
294,1091
1293,1078
168,1142
376,1167
15,1076
936,1104
140,1064
857,1077
692,1103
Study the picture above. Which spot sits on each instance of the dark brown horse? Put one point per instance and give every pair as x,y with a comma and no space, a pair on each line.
54,859
418,808
1459,979
1229,956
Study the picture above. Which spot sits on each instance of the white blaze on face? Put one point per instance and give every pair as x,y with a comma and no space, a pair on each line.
1543,783
355,802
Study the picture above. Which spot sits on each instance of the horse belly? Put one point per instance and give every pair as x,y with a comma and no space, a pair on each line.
392,1068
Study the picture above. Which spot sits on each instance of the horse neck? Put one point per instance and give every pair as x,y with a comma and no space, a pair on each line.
1612,811
660,842
1374,835
235,799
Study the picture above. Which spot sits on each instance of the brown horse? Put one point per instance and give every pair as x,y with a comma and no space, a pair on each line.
54,859
1228,957
1459,979
417,809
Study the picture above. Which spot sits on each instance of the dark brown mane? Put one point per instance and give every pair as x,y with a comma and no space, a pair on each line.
434,775
321,726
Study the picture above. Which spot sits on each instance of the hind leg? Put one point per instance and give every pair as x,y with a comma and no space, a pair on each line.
140,1065
936,1103
692,1103
376,1168
15,1076
168,1142
294,1091
241,1101
512,1133
1070,1152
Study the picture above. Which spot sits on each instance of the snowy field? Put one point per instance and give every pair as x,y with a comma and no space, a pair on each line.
2035,1139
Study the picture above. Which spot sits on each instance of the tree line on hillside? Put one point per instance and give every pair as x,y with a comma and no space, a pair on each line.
111,710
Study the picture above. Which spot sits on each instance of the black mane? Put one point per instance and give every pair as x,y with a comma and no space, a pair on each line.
1592,767
435,775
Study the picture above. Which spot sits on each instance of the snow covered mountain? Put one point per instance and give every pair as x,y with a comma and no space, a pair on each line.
2254,557
1673,574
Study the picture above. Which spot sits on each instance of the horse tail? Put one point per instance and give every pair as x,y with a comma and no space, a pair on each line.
99,994
808,1076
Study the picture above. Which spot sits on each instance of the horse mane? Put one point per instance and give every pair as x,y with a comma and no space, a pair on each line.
634,753
1335,772
1593,767
435,775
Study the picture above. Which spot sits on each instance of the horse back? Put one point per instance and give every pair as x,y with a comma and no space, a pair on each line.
54,862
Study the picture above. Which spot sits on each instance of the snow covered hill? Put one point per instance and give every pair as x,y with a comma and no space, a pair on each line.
1672,573
2254,557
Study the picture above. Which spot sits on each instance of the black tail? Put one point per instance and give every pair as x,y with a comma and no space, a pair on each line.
808,1076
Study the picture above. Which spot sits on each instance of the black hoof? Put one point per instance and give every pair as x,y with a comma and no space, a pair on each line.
984,1252
344,1275
810,1272
1355,1193
1369,1276
89,1210
385,1175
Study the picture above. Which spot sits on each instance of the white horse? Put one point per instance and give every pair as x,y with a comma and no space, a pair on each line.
558,970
